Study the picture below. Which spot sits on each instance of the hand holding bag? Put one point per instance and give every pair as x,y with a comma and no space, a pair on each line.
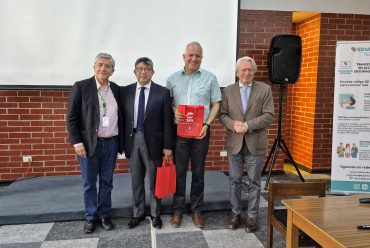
191,126
165,183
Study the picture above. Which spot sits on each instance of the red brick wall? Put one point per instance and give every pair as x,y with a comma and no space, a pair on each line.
334,27
301,105
33,121
309,124
257,28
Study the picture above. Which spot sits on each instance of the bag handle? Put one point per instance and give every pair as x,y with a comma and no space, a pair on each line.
167,159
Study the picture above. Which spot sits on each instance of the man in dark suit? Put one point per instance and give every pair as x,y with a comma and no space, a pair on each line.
247,108
148,125
95,132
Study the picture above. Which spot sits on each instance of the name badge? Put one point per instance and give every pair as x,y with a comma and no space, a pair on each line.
105,121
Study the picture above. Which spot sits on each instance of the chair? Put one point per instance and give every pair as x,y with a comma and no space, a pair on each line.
277,217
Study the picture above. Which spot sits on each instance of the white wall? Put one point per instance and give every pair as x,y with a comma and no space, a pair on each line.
325,6
54,42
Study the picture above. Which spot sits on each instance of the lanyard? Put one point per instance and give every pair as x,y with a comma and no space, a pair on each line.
104,100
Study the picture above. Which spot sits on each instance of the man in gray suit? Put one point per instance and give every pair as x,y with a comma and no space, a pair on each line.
247,108
148,122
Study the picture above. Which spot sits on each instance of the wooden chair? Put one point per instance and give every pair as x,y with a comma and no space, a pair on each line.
277,217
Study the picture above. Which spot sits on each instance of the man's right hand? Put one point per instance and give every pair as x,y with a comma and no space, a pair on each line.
179,116
80,150
239,127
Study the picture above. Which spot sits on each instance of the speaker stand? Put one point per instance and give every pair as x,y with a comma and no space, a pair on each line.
279,143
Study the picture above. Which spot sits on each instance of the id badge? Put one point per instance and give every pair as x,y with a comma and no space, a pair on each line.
105,121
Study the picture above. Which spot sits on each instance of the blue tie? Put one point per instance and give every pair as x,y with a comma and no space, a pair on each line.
140,112
244,98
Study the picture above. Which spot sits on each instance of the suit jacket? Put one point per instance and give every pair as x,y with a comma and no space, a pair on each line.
259,114
83,114
158,120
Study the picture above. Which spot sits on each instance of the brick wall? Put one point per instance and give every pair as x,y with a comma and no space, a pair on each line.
32,122
334,27
309,124
257,28
301,105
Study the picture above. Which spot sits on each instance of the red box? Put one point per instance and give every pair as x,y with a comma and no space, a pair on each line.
191,125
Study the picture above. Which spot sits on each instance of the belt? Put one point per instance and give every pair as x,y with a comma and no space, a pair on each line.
107,138
135,131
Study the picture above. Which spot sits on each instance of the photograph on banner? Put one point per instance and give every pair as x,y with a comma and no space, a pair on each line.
350,172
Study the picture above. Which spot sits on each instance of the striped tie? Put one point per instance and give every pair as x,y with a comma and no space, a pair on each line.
244,98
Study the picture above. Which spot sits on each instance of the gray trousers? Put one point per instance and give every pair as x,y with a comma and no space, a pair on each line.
250,184
140,164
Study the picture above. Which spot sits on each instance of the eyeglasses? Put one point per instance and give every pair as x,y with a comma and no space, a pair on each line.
139,69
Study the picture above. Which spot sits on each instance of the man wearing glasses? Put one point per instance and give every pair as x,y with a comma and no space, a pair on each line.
148,121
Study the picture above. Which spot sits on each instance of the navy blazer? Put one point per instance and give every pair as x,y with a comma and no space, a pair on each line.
83,115
158,120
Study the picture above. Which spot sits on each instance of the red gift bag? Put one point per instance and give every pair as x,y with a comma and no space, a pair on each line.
191,125
165,183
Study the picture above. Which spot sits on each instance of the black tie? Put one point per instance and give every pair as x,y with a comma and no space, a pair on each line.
140,112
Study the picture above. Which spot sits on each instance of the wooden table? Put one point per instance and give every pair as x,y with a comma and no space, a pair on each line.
331,221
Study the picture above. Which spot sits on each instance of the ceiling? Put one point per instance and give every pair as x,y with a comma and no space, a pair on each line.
299,16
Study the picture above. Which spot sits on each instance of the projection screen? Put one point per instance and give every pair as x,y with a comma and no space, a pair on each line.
46,43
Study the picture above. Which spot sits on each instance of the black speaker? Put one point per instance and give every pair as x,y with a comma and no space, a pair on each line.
285,57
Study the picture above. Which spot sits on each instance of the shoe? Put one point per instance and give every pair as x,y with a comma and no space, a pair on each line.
198,220
106,223
135,221
251,225
176,220
234,221
157,222
90,226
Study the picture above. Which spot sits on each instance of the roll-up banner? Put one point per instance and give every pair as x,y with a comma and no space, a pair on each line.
351,118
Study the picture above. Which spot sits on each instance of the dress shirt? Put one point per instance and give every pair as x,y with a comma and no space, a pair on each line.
199,88
137,95
112,111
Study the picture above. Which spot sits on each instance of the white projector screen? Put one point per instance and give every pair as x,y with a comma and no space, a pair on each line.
53,43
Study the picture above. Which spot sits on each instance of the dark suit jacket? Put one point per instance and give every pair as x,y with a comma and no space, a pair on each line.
158,120
83,114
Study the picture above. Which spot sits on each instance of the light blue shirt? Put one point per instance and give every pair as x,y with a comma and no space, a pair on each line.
249,86
199,88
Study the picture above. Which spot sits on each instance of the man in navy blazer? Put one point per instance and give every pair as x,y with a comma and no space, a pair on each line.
95,131
148,121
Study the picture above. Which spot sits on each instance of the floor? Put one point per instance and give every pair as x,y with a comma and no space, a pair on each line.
214,235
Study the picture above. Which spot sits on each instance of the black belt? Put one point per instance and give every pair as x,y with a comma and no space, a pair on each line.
107,138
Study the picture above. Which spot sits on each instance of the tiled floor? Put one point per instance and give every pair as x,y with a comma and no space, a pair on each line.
70,234
214,235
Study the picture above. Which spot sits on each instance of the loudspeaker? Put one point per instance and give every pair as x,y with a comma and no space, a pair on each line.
285,57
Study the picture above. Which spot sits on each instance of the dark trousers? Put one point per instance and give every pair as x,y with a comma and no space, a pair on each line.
196,150
98,203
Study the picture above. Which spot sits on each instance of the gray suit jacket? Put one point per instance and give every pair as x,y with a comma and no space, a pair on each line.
259,114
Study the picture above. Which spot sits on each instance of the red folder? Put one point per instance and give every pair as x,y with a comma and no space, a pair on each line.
165,183
191,125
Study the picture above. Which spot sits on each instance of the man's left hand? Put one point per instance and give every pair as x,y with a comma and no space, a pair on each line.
167,152
203,133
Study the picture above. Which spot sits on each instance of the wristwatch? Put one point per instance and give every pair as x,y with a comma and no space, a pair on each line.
206,124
